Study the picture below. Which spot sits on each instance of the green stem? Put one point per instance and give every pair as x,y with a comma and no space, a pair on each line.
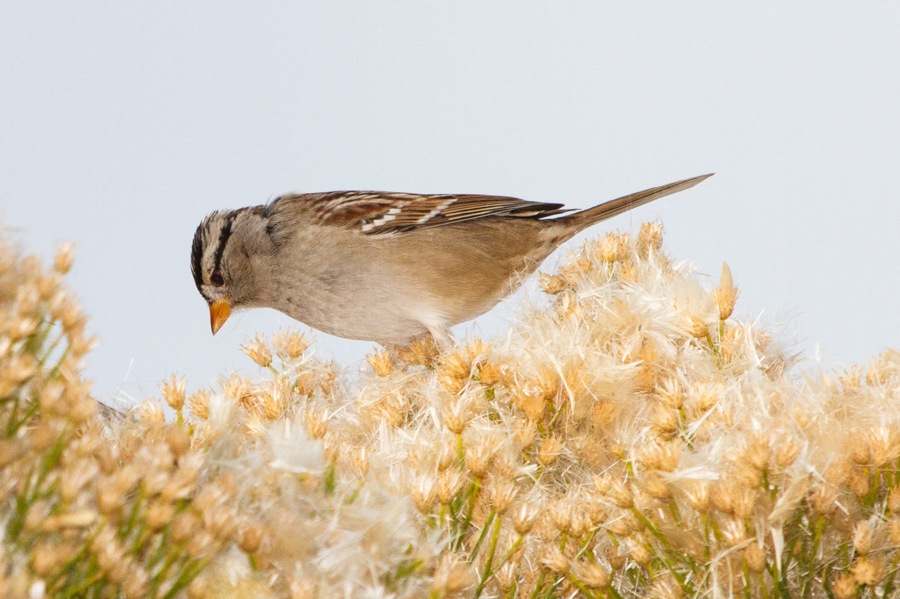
329,481
11,427
706,543
746,581
552,588
473,495
78,590
355,493
164,571
762,585
481,536
163,546
889,585
538,586
673,509
587,592
33,487
613,591
34,341
69,566
556,415
29,413
55,370
508,555
682,557
132,517
585,545
712,346
486,575
187,575
43,359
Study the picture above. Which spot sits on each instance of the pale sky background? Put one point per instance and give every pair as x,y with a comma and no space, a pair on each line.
123,124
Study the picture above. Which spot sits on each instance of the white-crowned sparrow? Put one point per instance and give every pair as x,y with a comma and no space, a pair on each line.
384,266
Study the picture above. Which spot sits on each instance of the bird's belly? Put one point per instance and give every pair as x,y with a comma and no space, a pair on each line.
379,323
389,315
384,316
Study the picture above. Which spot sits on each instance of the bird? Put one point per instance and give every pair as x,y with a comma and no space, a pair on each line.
384,266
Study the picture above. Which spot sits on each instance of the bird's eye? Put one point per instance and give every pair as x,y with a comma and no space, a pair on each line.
216,279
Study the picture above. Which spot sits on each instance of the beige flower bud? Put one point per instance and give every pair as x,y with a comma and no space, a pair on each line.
733,531
316,422
449,483
726,294
479,455
755,557
159,514
653,485
592,575
290,344
615,559
454,371
423,493
258,350
550,450
844,586
250,537
503,493
381,363
64,258
451,577
867,572
173,391
637,550
697,494
506,576
560,513
455,414
862,537
525,516
46,559
555,560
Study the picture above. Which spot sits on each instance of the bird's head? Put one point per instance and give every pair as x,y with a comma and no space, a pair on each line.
228,248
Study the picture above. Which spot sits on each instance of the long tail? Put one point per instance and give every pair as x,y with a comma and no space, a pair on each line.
591,216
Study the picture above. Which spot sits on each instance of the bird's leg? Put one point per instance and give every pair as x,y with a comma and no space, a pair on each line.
443,339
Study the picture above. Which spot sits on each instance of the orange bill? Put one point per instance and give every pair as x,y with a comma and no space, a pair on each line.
219,311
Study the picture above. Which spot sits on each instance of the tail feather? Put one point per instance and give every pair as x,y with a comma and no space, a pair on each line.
591,216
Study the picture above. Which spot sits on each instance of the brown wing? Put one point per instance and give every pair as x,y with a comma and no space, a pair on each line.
386,213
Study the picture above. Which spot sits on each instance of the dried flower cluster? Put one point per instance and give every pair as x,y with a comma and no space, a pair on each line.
630,440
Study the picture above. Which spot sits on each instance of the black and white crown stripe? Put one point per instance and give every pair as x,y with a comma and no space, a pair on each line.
202,238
